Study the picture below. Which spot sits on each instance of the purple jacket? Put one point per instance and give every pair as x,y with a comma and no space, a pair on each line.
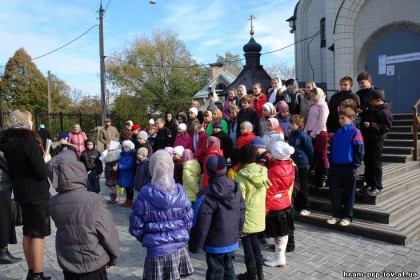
161,221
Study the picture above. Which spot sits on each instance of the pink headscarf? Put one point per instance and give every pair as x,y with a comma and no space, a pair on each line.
275,124
187,155
213,143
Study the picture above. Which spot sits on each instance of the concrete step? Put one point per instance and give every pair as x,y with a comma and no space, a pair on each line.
396,158
403,116
401,128
402,150
401,135
400,232
400,142
403,122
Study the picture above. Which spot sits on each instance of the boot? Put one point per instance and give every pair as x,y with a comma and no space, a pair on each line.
291,242
6,257
259,265
322,183
112,198
279,258
128,203
39,276
251,271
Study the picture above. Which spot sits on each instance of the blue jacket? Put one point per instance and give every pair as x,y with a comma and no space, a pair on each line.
161,221
347,146
304,151
143,175
126,166
219,215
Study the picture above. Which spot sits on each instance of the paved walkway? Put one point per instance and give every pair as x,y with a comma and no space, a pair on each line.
320,254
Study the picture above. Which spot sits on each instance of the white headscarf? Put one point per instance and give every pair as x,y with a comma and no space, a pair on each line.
162,170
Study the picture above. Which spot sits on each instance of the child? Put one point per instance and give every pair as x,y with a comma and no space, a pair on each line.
125,167
191,175
268,111
376,123
246,135
143,175
199,142
279,219
152,136
263,155
90,245
225,141
218,221
182,138
207,119
111,175
292,96
212,147
303,155
142,141
178,163
63,139
274,133
247,113
235,163
233,122
284,118
253,181
90,158
347,151
159,206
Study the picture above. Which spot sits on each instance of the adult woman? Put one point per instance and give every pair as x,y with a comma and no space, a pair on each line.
77,138
316,127
231,99
23,151
305,101
161,220
7,229
171,123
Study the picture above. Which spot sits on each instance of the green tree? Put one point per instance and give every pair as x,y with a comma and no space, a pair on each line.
231,62
153,75
23,85
60,95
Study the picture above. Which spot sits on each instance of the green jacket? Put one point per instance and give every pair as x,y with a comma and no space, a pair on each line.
253,180
191,178
225,128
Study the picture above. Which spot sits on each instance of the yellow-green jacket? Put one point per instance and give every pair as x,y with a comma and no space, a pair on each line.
191,178
253,180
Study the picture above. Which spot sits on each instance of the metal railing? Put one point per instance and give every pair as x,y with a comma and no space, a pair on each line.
415,129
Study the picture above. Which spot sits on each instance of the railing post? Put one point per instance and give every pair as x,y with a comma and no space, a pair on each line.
61,122
415,130
80,119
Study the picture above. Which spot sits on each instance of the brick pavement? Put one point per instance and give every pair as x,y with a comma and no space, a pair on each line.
320,254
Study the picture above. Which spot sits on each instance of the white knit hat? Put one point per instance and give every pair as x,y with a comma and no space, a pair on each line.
280,150
142,135
178,150
182,126
129,123
151,121
129,144
193,110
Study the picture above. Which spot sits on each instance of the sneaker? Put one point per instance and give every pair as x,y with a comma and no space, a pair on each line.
305,212
332,221
374,192
344,222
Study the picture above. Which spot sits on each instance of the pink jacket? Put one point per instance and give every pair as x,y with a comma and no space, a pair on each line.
78,141
184,141
317,118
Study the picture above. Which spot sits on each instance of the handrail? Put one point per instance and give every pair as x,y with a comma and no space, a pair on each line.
415,129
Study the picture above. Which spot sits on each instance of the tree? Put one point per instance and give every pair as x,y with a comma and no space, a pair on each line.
88,105
281,70
60,95
231,62
154,75
23,86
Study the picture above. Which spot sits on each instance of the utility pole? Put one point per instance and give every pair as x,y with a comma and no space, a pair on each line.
49,99
102,63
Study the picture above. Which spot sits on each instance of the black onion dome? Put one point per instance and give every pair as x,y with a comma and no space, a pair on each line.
252,46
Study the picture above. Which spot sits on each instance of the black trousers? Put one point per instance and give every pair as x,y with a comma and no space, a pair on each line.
251,246
373,163
301,200
99,274
7,227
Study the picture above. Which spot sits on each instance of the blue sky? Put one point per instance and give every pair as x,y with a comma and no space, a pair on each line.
207,28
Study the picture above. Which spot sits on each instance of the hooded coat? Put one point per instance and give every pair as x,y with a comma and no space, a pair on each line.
126,168
253,181
86,238
191,178
281,175
218,217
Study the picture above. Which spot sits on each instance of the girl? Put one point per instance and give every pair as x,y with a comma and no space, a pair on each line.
283,117
178,163
253,181
198,142
279,219
171,123
143,175
246,135
182,138
212,147
268,111
126,171
274,133
207,119
218,116
91,159
111,175
159,206
191,175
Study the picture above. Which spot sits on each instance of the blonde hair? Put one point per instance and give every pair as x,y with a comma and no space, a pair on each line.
20,119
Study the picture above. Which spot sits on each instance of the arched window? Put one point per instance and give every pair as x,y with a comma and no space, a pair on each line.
220,88
322,33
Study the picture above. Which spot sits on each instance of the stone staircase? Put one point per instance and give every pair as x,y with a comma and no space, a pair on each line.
392,216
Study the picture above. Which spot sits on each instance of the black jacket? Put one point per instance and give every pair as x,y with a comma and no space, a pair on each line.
90,159
249,115
380,119
163,138
226,143
334,103
219,215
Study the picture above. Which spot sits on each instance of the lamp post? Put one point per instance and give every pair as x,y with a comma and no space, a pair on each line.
102,63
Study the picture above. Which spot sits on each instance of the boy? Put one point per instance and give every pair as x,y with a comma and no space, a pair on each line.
63,139
225,141
152,136
263,155
347,151
247,114
86,248
291,96
142,142
219,215
376,123
90,158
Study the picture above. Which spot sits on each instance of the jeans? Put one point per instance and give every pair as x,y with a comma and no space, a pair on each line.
342,182
220,266
93,181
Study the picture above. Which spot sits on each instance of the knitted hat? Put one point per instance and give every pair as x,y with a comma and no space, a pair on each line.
136,127
193,110
182,126
217,124
178,150
282,105
216,166
63,135
41,126
258,142
151,121
378,94
248,126
130,123
142,152
280,150
142,135
129,144
19,119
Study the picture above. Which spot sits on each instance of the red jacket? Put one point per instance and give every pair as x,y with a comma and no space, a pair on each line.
281,175
258,104
211,151
244,139
200,150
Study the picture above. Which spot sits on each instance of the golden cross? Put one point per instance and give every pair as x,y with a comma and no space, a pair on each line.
251,17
